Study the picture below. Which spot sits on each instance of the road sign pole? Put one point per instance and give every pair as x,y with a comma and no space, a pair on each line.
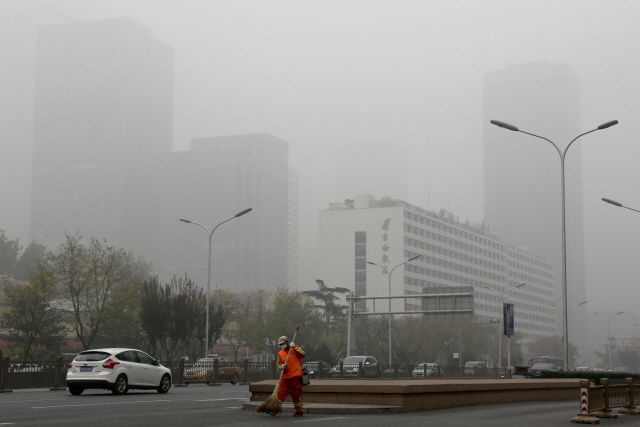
509,356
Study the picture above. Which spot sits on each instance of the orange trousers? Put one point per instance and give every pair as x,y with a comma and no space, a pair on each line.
293,385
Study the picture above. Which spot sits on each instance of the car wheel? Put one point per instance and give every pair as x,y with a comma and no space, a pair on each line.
165,384
236,379
75,390
120,386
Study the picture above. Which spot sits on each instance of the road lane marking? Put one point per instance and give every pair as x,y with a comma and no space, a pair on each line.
30,400
320,419
100,404
218,400
140,401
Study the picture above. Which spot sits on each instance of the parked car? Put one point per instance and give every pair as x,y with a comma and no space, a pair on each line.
537,369
351,367
313,368
118,370
475,367
424,370
202,369
583,369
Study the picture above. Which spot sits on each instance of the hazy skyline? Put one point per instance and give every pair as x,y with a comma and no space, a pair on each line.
322,75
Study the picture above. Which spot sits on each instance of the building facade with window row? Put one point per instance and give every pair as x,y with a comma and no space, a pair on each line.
387,232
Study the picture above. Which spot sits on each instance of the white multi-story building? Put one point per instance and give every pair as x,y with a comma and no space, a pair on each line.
388,232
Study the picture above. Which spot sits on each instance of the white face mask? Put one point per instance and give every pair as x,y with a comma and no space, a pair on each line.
283,346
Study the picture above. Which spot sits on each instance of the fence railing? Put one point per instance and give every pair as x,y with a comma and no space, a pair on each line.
377,370
36,373
52,373
597,401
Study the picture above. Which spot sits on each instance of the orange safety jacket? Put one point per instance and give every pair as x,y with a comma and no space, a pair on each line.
294,365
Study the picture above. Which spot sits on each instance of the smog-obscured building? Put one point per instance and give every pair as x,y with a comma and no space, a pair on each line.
390,231
103,119
217,178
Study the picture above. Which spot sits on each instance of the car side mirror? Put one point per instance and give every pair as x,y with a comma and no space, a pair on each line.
156,362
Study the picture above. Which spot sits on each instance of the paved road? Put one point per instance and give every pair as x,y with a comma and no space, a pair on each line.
199,405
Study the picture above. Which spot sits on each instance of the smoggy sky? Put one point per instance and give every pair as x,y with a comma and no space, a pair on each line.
403,76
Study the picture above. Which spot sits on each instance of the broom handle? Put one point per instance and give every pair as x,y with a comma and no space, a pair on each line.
290,348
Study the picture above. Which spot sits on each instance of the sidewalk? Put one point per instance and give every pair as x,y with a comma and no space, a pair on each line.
332,408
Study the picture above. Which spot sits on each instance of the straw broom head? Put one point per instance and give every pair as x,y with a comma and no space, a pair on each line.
272,405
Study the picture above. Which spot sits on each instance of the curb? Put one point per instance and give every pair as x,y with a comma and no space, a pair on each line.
332,409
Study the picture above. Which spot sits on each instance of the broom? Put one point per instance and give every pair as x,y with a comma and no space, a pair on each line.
272,405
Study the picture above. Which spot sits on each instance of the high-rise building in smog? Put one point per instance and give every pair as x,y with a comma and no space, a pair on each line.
217,178
103,119
103,165
293,229
522,178
390,231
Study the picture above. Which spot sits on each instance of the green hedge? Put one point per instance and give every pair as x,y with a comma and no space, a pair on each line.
594,377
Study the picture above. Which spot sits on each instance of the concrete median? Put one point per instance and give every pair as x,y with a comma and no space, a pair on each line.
418,394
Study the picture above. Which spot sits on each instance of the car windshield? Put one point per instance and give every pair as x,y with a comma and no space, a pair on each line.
353,360
549,366
92,356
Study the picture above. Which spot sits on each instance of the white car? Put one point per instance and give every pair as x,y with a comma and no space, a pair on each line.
424,370
118,370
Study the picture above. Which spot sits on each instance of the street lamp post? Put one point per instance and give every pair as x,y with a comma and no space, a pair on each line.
210,234
564,233
385,268
613,202
609,338
501,305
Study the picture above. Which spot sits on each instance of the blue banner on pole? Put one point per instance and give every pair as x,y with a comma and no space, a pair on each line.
508,318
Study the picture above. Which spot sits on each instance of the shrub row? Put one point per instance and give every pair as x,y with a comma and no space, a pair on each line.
594,377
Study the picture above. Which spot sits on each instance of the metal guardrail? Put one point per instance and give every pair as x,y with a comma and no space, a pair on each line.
596,401
53,373
38,373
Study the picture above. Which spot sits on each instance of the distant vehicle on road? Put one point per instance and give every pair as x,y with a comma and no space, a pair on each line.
475,367
424,370
313,369
583,369
537,369
621,369
118,370
350,367
547,359
202,369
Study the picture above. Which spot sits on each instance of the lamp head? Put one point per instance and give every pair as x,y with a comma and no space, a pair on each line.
185,220
244,212
613,202
608,124
504,125
412,258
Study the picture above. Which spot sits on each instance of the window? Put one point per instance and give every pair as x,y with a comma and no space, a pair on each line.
128,356
145,358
